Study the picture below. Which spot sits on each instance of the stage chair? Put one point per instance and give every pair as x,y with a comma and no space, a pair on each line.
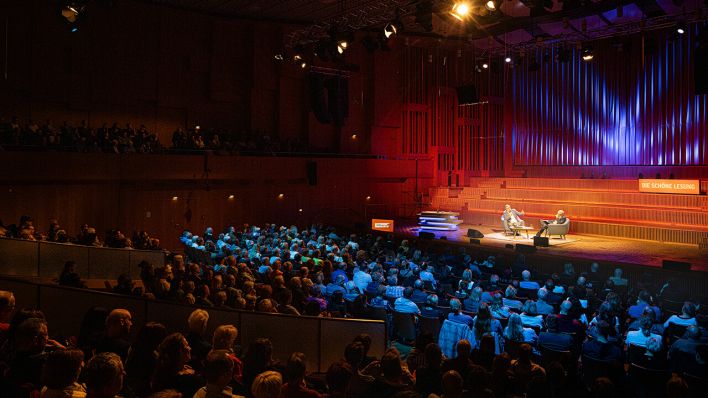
558,229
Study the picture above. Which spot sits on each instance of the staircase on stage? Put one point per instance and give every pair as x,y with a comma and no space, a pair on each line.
595,207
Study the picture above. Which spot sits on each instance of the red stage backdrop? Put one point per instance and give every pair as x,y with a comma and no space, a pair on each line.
632,105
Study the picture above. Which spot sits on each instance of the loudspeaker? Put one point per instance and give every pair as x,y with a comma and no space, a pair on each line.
467,95
473,233
525,248
676,265
540,241
311,173
476,241
426,235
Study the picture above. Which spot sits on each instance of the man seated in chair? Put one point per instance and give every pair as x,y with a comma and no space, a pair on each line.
512,218
560,219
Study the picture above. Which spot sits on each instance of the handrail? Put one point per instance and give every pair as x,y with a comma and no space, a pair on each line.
46,259
321,339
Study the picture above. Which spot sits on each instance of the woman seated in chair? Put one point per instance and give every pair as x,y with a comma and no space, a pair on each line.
560,219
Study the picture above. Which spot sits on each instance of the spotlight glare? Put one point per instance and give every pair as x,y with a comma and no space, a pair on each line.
231,197
281,196
279,57
680,31
390,30
303,65
507,60
299,210
368,198
174,198
587,54
490,5
485,65
460,10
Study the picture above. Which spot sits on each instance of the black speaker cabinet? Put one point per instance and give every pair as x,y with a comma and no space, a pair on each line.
312,173
473,233
676,265
426,235
540,241
525,248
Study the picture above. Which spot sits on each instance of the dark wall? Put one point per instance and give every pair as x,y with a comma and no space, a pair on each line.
135,192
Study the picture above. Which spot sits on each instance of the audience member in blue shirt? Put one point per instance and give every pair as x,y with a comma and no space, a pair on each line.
457,316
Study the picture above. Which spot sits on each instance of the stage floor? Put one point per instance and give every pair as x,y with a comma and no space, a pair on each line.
591,247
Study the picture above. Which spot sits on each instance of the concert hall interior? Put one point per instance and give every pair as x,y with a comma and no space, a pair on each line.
309,164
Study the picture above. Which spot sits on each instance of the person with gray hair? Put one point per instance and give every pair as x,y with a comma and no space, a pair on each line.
104,376
456,315
430,309
542,307
526,282
510,299
529,316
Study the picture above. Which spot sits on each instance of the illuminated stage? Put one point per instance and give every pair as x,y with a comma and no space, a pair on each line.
605,250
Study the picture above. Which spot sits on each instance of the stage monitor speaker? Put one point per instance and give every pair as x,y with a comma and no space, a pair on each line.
475,241
426,235
540,241
525,248
312,173
467,95
676,265
473,233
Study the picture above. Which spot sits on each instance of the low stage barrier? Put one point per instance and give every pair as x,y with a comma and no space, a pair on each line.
46,259
322,340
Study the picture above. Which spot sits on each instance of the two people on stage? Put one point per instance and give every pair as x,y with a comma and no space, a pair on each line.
560,219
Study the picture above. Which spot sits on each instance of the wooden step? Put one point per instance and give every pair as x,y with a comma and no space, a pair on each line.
601,229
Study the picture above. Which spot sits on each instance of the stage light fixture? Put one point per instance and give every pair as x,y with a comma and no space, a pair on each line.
485,65
491,5
174,198
299,210
390,30
71,12
368,198
281,196
507,60
460,10
279,57
681,28
587,53
303,65
231,197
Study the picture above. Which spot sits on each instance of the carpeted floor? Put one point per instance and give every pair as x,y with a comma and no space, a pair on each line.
554,241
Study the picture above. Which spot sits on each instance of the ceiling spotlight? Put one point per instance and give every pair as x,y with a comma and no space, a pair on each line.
681,28
174,198
460,10
390,30
303,65
231,197
507,60
71,12
297,57
485,65
587,54
279,57
341,46
491,5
